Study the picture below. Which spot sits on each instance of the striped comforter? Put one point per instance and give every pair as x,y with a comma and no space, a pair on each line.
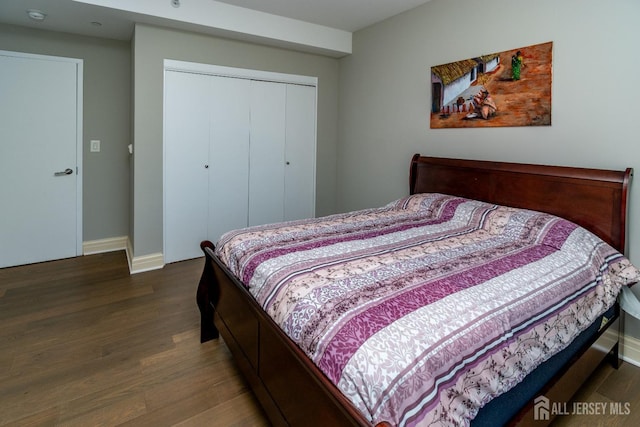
425,309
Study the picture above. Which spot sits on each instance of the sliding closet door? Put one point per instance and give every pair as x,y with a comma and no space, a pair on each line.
266,170
186,178
239,150
229,155
300,153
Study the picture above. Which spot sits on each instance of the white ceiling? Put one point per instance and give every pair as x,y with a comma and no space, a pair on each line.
117,17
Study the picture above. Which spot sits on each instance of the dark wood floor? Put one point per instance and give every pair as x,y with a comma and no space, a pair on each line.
84,343
607,391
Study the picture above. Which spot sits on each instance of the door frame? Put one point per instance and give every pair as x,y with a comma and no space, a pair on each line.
241,73
79,137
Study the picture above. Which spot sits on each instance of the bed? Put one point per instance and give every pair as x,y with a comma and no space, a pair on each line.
306,380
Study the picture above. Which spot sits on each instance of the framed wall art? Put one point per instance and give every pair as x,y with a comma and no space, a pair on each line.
510,88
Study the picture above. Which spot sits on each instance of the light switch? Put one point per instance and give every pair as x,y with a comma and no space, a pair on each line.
95,145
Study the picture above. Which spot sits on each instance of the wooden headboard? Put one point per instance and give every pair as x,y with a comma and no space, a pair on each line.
596,199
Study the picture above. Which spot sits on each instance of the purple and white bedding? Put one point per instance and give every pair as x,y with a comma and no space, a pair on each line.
425,309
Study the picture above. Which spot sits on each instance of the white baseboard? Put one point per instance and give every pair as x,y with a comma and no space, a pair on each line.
143,263
104,245
146,263
630,350
136,264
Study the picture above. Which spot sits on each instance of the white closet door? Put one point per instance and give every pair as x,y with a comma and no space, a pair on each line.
300,153
186,117
227,144
266,169
229,155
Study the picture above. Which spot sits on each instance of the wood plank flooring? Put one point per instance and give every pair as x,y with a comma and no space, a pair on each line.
83,343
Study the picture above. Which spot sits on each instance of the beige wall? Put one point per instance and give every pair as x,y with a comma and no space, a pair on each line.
385,93
151,46
106,117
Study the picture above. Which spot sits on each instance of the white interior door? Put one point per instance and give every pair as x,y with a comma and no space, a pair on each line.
235,122
266,170
229,155
40,157
186,160
300,153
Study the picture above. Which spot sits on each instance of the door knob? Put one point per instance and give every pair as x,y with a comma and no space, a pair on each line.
67,171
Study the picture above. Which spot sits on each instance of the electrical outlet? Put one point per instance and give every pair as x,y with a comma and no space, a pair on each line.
95,145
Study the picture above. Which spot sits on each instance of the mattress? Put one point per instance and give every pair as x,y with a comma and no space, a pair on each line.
424,310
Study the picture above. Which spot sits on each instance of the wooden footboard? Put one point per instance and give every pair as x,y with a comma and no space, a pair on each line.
207,297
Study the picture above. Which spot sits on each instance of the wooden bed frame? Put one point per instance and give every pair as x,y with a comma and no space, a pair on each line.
293,391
